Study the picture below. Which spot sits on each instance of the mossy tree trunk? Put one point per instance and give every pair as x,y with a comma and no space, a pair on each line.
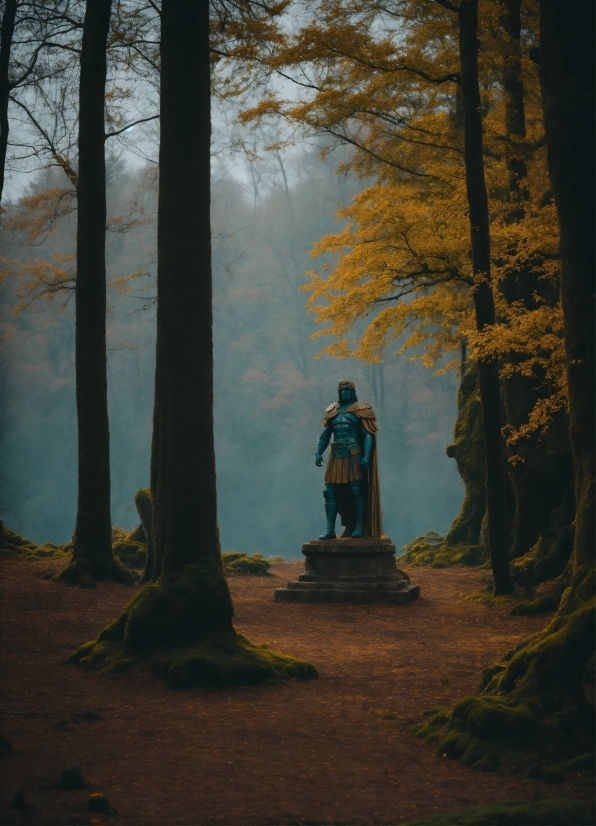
542,705
182,620
6,36
468,452
567,82
92,554
488,370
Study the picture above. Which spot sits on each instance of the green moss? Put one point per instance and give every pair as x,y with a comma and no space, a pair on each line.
183,625
431,550
228,659
244,564
546,560
549,812
132,553
14,543
85,571
492,718
533,715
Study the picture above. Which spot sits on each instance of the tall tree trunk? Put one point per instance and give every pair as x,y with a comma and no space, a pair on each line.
92,554
541,481
6,36
183,618
488,370
185,503
567,81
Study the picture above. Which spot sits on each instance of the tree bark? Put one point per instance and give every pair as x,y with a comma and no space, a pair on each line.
567,82
92,551
488,370
6,36
185,504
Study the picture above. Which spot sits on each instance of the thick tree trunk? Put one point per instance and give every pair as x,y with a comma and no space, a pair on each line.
8,25
183,618
92,553
488,370
185,505
567,81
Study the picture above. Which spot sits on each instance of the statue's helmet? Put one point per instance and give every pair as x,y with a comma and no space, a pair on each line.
349,384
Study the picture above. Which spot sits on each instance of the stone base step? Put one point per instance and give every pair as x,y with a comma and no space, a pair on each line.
342,585
355,578
331,593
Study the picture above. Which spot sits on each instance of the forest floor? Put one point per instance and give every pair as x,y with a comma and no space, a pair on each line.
320,751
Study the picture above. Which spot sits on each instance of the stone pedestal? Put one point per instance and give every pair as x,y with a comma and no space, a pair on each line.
349,570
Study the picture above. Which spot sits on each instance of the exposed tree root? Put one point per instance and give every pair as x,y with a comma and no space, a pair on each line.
84,571
536,716
183,625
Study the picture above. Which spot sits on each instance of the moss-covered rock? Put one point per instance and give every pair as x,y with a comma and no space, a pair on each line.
548,812
128,549
469,454
244,564
183,625
431,550
144,506
14,543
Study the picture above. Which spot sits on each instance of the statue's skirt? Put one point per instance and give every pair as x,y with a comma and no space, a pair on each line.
343,468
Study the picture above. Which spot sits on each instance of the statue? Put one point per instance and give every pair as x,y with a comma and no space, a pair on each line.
351,476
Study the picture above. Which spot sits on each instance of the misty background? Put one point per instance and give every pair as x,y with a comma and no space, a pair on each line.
270,391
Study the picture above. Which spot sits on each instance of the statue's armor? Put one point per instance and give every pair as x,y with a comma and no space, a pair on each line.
350,440
349,485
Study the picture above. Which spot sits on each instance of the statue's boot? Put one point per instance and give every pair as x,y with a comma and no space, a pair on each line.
360,514
331,514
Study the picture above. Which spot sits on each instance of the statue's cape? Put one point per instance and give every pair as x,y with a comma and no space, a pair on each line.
374,522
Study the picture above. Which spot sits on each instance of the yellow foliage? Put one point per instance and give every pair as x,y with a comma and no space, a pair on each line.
385,81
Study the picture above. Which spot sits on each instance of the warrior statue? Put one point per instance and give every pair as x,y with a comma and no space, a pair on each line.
351,477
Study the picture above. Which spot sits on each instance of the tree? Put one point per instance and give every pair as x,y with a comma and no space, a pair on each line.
488,369
183,619
567,79
540,702
7,32
92,553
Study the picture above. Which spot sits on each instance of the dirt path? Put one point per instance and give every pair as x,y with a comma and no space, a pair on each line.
301,752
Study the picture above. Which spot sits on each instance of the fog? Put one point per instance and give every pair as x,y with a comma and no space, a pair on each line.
270,391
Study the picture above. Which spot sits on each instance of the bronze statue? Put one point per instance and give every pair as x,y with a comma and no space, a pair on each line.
351,477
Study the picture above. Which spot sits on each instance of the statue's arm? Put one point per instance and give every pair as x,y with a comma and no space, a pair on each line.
368,444
324,440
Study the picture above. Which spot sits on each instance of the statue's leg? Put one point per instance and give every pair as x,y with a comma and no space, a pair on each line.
357,491
330,511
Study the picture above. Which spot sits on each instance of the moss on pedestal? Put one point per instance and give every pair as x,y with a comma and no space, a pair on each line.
183,625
